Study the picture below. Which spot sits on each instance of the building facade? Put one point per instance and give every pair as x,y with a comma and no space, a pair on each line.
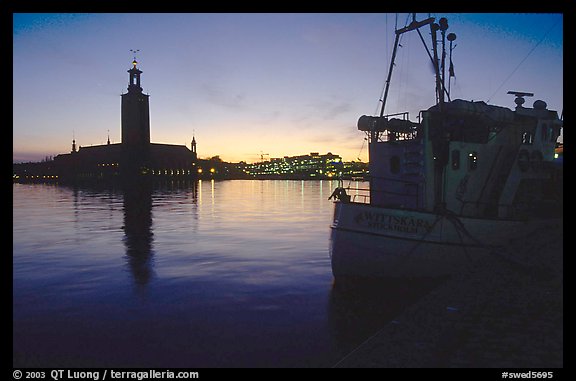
312,166
135,156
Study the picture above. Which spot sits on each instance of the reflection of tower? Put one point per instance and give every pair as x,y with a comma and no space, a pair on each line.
137,230
135,123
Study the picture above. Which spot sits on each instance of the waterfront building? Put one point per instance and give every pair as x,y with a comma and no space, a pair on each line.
135,155
312,166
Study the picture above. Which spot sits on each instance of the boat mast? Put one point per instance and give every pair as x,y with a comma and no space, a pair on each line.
389,73
413,25
443,27
433,29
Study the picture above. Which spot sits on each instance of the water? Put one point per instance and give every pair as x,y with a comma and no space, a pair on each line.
209,274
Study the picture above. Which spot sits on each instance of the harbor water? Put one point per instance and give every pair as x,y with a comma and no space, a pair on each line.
201,274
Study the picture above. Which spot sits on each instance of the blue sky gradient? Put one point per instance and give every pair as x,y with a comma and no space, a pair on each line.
281,83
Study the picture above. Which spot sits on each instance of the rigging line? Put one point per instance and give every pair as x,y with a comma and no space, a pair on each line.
362,147
387,46
524,59
364,139
403,76
407,19
404,261
380,100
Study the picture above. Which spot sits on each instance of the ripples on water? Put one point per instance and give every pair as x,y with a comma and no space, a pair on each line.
208,274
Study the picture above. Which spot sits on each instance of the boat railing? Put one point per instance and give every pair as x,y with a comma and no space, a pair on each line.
358,194
393,196
361,198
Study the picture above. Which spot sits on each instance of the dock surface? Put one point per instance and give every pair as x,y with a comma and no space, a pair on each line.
503,312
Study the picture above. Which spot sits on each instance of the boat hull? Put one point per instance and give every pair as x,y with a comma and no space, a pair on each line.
369,241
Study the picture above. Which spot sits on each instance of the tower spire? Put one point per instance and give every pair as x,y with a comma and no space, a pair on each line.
134,51
134,81
73,142
193,147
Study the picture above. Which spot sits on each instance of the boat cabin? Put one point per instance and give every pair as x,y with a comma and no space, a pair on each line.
467,157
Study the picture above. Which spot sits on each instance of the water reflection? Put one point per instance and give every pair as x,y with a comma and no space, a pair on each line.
239,278
138,236
357,310
136,202
138,221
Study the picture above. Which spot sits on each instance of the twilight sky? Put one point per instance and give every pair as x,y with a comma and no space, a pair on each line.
245,84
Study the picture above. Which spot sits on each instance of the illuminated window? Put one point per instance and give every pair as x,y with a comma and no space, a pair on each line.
472,161
527,137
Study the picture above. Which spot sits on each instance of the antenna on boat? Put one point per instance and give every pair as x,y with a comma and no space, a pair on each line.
443,27
441,91
520,97
433,29
451,37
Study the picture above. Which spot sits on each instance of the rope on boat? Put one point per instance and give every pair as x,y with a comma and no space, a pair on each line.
524,59
502,252
409,254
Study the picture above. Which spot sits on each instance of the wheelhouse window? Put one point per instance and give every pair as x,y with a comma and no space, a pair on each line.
527,138
472,161
548,134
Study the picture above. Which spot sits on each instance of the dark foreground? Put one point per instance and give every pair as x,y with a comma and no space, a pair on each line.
499,314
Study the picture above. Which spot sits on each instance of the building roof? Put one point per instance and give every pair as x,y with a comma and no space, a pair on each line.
101,149
160,148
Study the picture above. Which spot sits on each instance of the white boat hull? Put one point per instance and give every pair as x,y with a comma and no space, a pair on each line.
369,241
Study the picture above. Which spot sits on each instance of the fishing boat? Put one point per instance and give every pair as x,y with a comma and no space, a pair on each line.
464,181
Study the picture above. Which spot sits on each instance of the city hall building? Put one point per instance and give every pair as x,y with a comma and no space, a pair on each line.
135,156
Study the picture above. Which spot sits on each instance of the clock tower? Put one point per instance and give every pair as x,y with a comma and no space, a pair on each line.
135,122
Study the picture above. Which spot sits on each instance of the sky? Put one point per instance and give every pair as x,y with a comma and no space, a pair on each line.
246,85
